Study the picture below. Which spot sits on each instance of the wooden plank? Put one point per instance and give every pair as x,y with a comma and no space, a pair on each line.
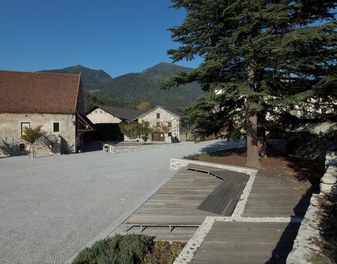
225,197
277,195
235,242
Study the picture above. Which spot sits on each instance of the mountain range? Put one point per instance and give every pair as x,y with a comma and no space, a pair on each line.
133,88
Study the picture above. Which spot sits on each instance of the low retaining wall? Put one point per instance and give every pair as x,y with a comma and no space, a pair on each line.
125,149
176,164
304,247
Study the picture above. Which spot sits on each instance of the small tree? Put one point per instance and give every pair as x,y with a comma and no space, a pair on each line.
129,129
32,135
144,130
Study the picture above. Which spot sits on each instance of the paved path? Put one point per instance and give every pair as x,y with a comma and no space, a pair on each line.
51,207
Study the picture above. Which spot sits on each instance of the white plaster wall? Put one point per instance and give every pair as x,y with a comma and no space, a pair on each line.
10,127
99,116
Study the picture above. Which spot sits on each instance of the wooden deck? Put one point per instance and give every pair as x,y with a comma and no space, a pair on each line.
275,195
224,198
241,243
272,195
183,203
174,213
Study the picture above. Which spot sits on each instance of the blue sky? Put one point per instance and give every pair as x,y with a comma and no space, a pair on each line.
117,36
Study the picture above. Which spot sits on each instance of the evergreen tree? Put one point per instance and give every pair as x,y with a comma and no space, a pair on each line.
259,57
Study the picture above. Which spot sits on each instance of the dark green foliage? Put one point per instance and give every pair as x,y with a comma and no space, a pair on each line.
31,135
91,100
163,252
288,57
137,130
260,56
90,78
133,88
117,250
129,249
145,86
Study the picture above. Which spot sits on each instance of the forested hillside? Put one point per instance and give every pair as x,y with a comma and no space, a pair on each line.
134,88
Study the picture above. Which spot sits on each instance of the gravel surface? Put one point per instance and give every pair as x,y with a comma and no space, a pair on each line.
51,207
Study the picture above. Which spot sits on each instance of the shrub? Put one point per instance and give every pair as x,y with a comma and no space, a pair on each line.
196,156
116,250
164,252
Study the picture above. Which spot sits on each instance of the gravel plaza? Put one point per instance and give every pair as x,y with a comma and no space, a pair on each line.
51,207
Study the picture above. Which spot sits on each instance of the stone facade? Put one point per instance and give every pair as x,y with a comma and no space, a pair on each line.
60,131
163,119
50,100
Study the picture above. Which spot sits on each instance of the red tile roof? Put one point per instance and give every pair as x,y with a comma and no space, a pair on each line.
38,92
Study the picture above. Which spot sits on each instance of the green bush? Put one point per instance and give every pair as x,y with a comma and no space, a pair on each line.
117,250
163,252
196,156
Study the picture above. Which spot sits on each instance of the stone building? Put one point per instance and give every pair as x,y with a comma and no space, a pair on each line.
167,120
107,120
52,101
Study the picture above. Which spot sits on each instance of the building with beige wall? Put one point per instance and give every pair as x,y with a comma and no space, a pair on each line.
167,121
52,101
103,114
107,120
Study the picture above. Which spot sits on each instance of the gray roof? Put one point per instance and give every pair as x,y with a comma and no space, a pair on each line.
124,114
173,110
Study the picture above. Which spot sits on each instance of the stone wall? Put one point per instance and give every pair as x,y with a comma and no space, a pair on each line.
161,116
309,230
329,179
63,141
125,149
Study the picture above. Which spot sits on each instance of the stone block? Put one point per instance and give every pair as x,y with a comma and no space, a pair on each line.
325,188
332,169
328,178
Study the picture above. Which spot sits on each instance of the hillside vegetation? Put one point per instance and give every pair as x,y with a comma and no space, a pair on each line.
134,88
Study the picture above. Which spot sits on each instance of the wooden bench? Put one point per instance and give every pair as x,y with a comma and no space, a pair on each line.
143,222
143,226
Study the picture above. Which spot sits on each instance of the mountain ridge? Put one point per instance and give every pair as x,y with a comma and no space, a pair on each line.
133,88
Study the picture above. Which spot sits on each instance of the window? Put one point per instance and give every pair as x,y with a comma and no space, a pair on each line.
158,115
169,124
56,127
22,147
158,124
24,126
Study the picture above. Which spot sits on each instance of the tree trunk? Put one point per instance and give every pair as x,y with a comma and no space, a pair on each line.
253,157
261,134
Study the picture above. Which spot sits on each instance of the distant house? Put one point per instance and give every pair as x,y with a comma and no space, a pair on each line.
107,118
168,122
53,101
